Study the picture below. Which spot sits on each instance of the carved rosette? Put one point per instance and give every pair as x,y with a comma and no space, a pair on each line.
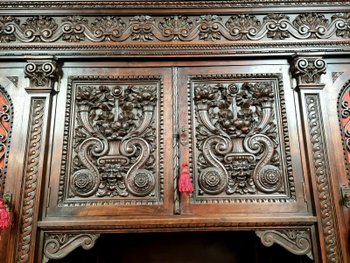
115,141
295,241
238,146
6,119
308,70
57,246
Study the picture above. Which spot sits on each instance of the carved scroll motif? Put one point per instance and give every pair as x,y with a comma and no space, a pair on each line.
115,152
57,246
295,241
145,28
237,139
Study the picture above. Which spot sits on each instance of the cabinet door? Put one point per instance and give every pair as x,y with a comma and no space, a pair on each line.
109,142
244,148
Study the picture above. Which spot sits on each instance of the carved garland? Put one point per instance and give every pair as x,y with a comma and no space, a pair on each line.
145,28
320,161
31,177
6,120
117,147
237,144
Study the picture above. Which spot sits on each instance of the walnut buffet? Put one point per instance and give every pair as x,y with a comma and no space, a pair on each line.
103,101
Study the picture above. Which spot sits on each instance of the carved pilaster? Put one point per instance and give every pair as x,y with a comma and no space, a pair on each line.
308,70
295,241
42,73
57,246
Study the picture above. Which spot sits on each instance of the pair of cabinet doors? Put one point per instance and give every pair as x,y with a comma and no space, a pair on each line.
121,133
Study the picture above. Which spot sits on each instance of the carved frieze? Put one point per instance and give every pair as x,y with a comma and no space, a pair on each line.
240,148
145,28
115,141
57,246
6,119
296,241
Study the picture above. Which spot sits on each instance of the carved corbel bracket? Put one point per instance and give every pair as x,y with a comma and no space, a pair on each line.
57,246
42,73
296,241
308,70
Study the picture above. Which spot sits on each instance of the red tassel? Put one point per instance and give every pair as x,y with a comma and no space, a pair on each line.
185,184
5,220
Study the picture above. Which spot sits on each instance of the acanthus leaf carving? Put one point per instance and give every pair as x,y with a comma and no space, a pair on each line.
57,246
295,241
42,73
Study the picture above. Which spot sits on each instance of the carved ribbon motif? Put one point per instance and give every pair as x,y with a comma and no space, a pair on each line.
237,138
115,141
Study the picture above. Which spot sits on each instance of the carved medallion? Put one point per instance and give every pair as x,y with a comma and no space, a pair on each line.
239,149
115,140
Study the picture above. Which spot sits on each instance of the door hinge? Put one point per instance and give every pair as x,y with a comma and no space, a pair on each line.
345,194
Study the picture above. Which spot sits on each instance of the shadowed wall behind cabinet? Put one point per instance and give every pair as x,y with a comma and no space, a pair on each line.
190,247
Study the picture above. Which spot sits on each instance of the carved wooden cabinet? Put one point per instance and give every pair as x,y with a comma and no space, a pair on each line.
100,111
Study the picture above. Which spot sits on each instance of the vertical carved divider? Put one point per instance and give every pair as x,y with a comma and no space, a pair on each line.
42,73
307,71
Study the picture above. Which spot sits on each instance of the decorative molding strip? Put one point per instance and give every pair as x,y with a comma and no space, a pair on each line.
321,167
295,241
176,28
42,73
30,179
57,246
6,121
176,139
167,4
308,71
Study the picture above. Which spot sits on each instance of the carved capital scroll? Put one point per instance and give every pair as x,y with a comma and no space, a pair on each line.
308,70
57,246
42,73
295,241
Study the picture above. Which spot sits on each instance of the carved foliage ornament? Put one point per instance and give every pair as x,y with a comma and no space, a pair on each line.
6,119
174,28
115,142
239,149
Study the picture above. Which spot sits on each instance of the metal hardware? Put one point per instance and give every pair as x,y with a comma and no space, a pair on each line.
8,201
183,136
345,193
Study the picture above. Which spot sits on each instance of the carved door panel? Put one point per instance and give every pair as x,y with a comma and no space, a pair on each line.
244,141
109,153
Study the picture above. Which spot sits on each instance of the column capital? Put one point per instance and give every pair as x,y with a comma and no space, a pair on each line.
42,72
307,70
